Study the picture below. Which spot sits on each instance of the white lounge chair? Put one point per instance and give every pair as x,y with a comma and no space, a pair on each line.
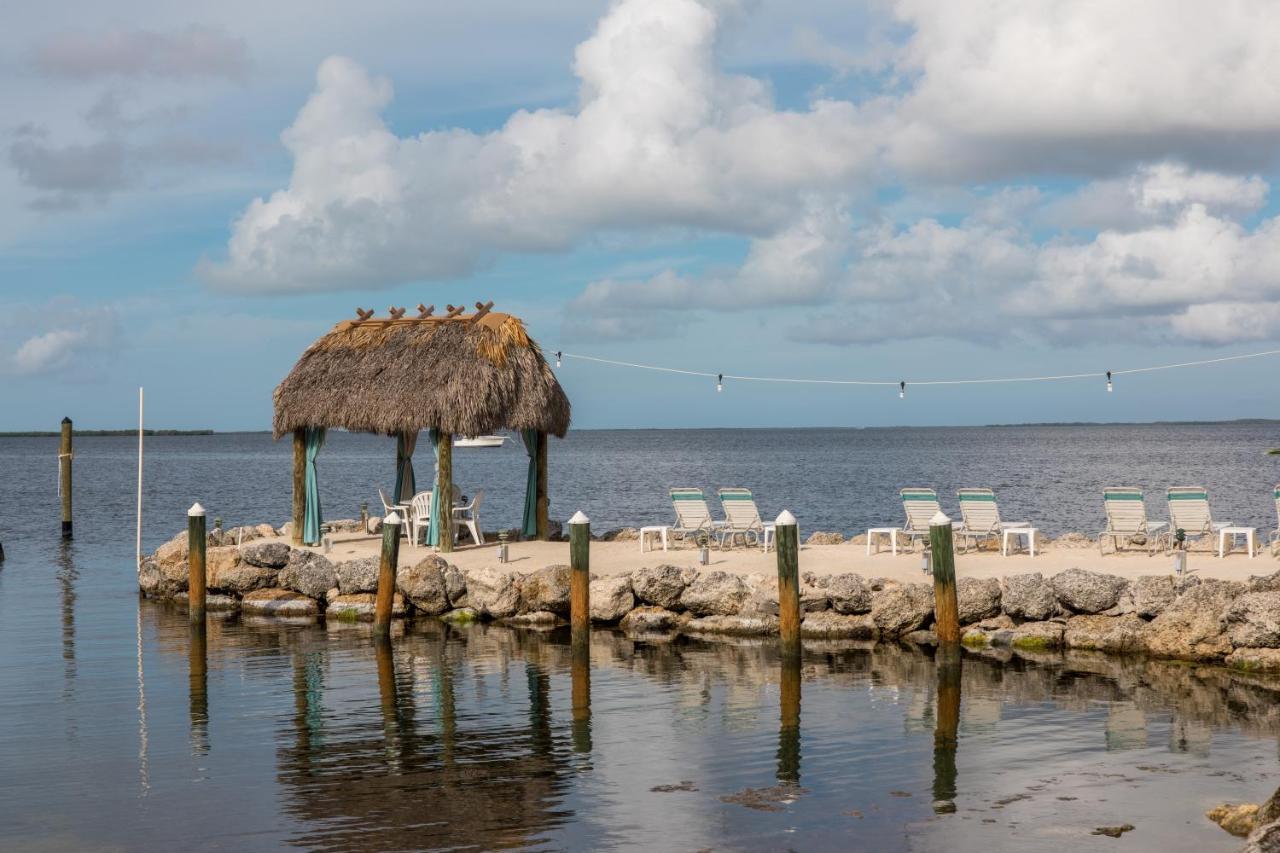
1275,536
921,505
693,515
468,518
742,518
1189,512
1126,511
981,517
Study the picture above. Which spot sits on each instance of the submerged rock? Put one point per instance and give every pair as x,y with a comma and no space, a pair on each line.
1106,633
1028,596
1035,636
649,618
546,590
898,610
268,555
361,607
308,573
714,594
978,599
1253,619
535,617
741,625
1087,592
611,598
423,584
493,593
278,602
661,586
830,624
1236,819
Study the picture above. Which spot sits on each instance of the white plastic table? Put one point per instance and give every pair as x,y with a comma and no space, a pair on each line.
891,532
1246,532
1029,532
654,531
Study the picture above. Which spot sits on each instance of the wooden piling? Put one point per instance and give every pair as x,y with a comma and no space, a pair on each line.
387,575
580,576
444,488
196,582
299,483
64,476
946,610
787,544
541,500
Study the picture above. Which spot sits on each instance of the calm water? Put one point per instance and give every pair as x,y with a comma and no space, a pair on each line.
119,731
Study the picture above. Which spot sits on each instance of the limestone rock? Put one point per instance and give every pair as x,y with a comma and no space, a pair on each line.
820,537
900,609
308,573
1148,596
1087,592
1028,596
611,598
228,573
649,618
660,586
150,580
1264,839
214,602
621,534
360,607
832,624
455,585
173,551
356,576
1106,633
714,593
423,584
1190,627
1033,636
1254,660
849,594
546,589
1265,583
739,625
534,617
921,637
1238,820
493,593
175,577
278,602
269,555
461,615
978,598
1253,619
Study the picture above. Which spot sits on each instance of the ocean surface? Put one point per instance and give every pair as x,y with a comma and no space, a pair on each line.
122,730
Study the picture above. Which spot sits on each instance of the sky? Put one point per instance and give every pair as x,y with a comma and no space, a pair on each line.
893,190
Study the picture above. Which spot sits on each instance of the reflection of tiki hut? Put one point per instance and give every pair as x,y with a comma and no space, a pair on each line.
450,375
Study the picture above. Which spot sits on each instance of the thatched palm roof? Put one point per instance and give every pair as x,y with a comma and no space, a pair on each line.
463,374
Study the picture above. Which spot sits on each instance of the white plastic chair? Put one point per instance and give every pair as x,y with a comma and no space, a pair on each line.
469,517
420,517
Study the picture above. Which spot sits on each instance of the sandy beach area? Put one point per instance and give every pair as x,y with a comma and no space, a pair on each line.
619,557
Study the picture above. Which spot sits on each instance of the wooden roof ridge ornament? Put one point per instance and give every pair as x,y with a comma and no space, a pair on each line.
363,314
425,311
396,313
454,311
482,308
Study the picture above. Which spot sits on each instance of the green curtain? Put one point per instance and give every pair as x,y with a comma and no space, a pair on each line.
433,526
406,487
530,527
311,520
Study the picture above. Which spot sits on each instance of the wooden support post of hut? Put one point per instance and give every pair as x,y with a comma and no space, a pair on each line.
451,374
65,456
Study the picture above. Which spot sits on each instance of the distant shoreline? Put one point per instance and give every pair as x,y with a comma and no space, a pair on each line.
107,432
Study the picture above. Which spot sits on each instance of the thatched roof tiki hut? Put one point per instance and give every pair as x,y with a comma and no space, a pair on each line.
454,374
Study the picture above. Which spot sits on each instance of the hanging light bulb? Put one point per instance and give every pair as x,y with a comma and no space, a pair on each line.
902,390
558,354
719,382
1108,381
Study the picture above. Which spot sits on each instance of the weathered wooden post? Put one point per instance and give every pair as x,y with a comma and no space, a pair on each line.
196,583
946,610
64,477
945,736
387,575
787,544
299,484
580,576
541,500
444,488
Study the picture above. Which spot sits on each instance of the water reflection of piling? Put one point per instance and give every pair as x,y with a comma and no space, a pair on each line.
67,576
539,710
945,737
580,672
198,688
789,725
388,696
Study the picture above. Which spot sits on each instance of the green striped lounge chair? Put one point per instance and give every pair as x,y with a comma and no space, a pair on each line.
981,517
693,515
1275,534
742,518
1126,511
1189,512
920,505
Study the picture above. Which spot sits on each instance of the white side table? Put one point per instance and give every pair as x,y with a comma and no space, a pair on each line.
891,532
766,536
1029,532
654,531
1246,532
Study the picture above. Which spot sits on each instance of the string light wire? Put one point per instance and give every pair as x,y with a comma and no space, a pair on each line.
1098,374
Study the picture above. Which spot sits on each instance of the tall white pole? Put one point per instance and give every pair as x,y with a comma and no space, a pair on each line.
139,478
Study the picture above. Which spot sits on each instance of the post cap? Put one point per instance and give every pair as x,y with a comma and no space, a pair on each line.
66,420
579,518
785,517
392,518
195,510
939,517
